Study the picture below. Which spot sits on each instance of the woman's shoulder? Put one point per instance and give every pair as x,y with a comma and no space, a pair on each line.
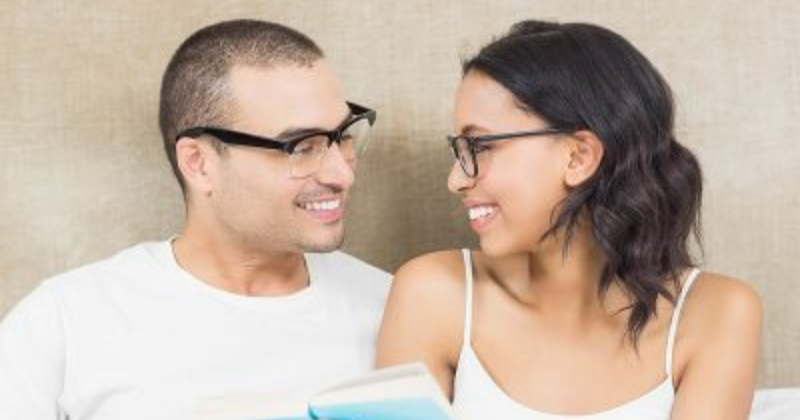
423,319
717,348
715,296
439,271
720,308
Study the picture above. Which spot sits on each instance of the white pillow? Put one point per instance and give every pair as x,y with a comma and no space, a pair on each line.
776,404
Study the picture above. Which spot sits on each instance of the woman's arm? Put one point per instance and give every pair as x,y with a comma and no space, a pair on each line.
423,316
721,341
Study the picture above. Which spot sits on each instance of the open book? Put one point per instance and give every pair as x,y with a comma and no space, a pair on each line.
405,392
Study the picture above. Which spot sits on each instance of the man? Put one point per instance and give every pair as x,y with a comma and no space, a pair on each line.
264,146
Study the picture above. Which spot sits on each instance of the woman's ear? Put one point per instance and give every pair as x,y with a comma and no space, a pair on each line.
194,158
585,155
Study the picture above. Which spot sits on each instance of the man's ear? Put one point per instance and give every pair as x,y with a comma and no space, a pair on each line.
585,155
195,159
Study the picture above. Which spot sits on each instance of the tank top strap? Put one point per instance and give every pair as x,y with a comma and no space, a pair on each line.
676,314
467,255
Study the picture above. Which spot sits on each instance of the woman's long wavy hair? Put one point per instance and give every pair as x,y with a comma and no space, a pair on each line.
643,203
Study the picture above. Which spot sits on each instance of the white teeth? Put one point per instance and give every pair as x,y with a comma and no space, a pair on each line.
476,213
322,205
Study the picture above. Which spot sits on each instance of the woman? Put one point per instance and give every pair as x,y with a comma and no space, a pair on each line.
583,302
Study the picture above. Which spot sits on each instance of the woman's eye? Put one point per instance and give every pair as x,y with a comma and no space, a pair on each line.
482,148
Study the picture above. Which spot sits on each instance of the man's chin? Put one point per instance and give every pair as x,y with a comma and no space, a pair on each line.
329,244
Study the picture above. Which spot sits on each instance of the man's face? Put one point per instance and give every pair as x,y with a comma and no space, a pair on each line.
255,200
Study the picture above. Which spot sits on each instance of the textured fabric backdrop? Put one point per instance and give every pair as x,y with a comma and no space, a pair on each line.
82,172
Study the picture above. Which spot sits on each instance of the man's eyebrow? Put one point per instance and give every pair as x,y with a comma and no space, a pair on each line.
293,132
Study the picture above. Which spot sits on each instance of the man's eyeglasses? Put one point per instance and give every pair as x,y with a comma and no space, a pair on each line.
466,149
307,150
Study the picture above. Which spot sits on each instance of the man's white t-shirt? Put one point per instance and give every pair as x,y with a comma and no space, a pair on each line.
137,337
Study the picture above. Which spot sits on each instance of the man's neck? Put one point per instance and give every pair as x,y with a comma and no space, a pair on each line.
237,269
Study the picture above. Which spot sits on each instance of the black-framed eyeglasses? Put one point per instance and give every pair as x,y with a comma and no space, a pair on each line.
306,150
466,149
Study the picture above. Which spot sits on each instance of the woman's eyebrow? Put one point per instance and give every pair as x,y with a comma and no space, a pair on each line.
472,129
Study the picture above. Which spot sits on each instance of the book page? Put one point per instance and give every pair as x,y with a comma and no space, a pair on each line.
252,406
406,392
383,375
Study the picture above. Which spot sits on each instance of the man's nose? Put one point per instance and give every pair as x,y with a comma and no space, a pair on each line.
335,170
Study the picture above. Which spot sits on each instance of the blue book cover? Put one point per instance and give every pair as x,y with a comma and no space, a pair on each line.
405,392
401,409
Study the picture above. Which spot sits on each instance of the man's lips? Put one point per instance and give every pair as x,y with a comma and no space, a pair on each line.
321,205
327,209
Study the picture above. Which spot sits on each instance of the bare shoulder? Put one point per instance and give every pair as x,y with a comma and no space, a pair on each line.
431,285
717,349
721,308
436,272
719,297
424,314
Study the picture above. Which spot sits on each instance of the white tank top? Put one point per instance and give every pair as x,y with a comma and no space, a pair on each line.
477,397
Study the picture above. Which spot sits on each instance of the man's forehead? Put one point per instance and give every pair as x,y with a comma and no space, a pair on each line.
269,100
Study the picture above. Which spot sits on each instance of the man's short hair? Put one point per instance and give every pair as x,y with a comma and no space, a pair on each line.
194,89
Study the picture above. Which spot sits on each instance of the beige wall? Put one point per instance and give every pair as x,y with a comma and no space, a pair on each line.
82,172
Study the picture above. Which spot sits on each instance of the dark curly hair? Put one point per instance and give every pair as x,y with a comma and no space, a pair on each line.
643,203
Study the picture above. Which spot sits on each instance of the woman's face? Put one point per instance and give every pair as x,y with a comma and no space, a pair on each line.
520,181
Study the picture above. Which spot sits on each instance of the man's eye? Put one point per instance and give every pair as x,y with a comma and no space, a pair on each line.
303,149
311,146
482,148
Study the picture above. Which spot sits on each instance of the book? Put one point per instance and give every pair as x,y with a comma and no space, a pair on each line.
404,392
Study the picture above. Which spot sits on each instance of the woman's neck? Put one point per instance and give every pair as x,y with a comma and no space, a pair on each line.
558,281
